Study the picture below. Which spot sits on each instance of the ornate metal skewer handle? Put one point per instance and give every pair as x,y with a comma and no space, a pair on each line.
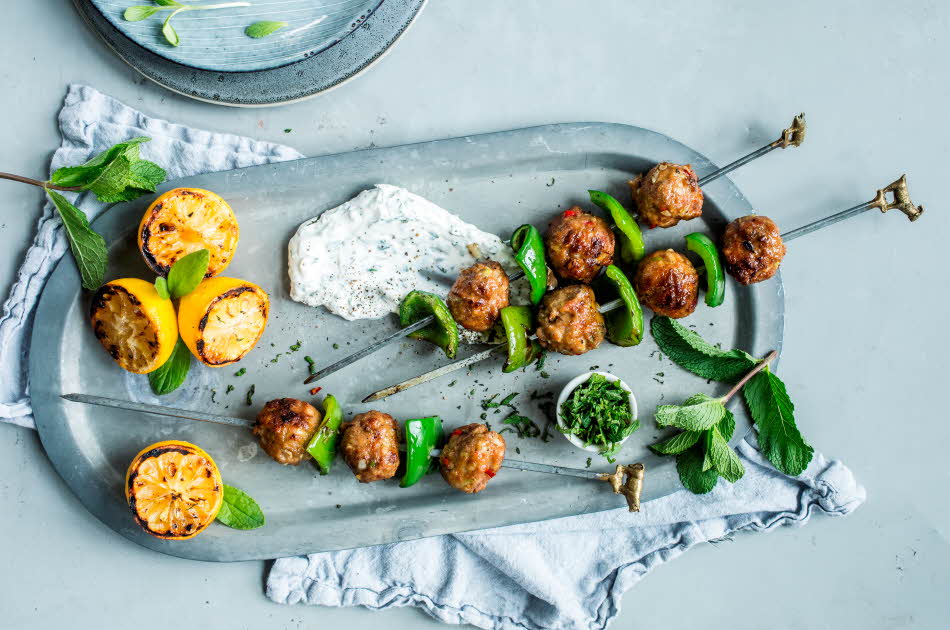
901,199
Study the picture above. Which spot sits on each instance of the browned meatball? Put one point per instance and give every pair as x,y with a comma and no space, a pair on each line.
667,194
471,457
569,322
478,295
668,283
369,444
284,427
578,245
752,248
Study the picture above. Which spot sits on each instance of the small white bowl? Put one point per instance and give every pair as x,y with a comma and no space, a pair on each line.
570,387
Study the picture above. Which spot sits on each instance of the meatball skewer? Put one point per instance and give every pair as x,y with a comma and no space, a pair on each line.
899,200
669,193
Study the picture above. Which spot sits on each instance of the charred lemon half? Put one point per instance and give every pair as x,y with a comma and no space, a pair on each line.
185,220
223,319
174,489
136,326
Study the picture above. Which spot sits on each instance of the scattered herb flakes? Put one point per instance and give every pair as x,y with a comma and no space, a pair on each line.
598,412
523,425
507,399
336,346
588,462
229,389
452,384
311,365
250,394
489,403
214,394
484,416
545,375
518,450
241,372
296,346
288,130
539,366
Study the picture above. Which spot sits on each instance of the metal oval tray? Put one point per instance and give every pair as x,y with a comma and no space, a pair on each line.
496,181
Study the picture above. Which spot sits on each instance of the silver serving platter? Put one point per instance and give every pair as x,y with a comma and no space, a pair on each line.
496,181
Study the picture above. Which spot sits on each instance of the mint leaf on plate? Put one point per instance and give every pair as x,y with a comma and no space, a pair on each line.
677,444
239,510
263,29
188,272
161,287
724,459
172,373
117,174
88,247
691,352
689,465
773,413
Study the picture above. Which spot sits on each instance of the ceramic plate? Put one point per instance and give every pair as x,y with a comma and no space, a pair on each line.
325,43
496,181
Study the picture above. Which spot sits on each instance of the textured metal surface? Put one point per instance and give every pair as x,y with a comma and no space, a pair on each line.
496,181
321,69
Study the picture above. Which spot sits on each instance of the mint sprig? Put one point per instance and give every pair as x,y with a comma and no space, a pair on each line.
702,448
765,395
239,510
144,11
187,273
117,174
264,28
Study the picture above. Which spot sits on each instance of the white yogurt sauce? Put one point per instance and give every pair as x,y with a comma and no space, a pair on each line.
360,259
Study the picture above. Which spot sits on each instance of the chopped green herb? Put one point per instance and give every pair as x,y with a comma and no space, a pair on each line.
525,426
452,384
488,402
295,347
598,412
288,131
250,395
311,365
507,399
588,462
518,450
336,346
214,393
545,375
229,389
539,366
241,372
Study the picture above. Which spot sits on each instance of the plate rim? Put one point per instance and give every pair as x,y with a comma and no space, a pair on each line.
392,18
87,491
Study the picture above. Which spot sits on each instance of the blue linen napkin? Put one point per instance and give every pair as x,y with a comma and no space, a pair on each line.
564,574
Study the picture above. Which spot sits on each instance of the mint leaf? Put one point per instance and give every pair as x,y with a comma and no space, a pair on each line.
691,352
773,412
698,413
188,272
676,444
689,465
239,510
146,175
727,426
724,459
86,173
171,35
161,287
263,29
172,373
88,247
139,13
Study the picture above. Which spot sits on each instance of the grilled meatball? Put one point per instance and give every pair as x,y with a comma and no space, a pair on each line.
478,295
578,245
369,444
668,283
667,194
752,248
569,322
284,427
471,457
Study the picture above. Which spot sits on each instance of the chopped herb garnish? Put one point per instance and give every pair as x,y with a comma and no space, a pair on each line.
545,375
518,450
588,462
452,384
214,393
250,394
525,426
311,365
488,402
539,366
598,412
295,347
229,389
336,346
507,399
241,372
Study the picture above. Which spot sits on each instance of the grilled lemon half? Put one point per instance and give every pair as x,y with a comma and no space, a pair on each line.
135,325
174,489
183,221
223,319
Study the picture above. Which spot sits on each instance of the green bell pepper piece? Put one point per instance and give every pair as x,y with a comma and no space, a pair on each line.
529,252
443,332
703,246
632,248
518,324
422,435
322,446
624,326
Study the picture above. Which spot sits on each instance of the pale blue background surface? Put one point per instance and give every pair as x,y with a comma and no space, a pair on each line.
866,301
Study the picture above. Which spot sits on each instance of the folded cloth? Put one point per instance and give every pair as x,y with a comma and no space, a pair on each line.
562,574
91,122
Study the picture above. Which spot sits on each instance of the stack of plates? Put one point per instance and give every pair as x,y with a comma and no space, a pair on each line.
325,43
